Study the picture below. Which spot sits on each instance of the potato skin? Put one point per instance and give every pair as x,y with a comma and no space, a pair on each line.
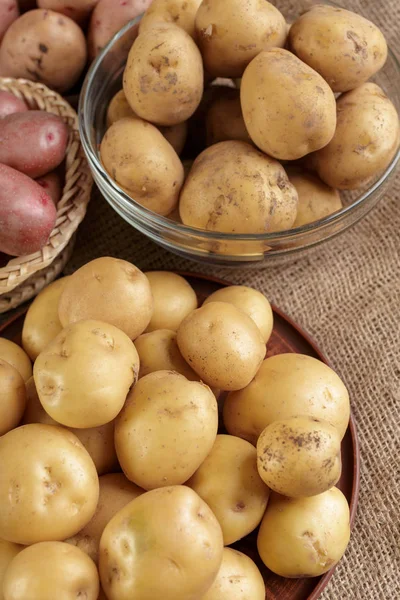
52,183
163,77
10,104
8,551
173,297
238,578
16,357
9,12
158,351
343,47
316,199
12,397
224,120
304,537
77,10
178,12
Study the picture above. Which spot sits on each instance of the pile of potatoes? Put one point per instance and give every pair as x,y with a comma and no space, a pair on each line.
277,118
152,434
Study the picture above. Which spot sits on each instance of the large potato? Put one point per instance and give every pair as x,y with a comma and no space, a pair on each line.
16,357
178,12
304,537
83,376
48,487
366,139
343,47
299,106
173,297
316,199
164,544
143,163
158,351
238,579
51,570
12,397
77,10
163,78
224,119
8,551
162,442
234,188
285,386
231,33
228,481
9,12
9,103
111,290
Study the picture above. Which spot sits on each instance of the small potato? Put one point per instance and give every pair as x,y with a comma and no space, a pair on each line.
9,12
163,77
16,357
224,120
51,570
342,46
116,491
77,10
53,185
12,397
238,579
163,442
8,551
176,135
110,290
304,537
143,163
83,376
9,103
231,33
48,487
174,298
250,301
164,544
316,199
158,351
299,106
178,12
285,386
237,496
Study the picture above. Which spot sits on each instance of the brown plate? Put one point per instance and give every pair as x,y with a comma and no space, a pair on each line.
286,337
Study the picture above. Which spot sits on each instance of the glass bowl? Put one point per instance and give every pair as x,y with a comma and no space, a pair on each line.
104,79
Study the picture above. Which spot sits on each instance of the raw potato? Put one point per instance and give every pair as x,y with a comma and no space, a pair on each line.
142,557
178,12
304,537
250,301
39,46
238,579
173,297
9,12
52,183
77,10
12,398
163,78
176,135
143,163
115,493
316,199
222,344
231,33
158,351
224,120
343,47
84,375
228,481
16,357
110,290
9,103
49,486
366,139
299,106
162,442
285,386
51,570
234,188
8,551
299,456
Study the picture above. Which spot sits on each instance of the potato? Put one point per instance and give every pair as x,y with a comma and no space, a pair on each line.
343,47
9,12
8,551
158,351
12,397
224,120
39,46
9,103
83,376
366,139
48,487
231,33
250,301
143,163
16,357
52,183
234,188
163,442
51,570
164,544
163,77
176,135
77,10
316,199
115,493
285,386
238,578
173,297
237,496
304,537
110,290
178,12
298,105
27,213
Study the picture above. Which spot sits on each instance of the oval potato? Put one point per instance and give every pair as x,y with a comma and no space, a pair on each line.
53,184
224,119
238,578
158,351
12,397
316,199
178,12
9,12
9,103
77,10
16,357
173,297
8,551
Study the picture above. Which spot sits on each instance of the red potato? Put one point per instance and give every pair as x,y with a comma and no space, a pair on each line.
53,185
77,10
9,12
10,104
33,142
27,213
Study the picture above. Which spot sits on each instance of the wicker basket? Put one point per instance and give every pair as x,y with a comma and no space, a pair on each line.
24,276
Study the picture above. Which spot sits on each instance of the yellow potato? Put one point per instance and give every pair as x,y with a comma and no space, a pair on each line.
8,551
83,377
316,199
178,12
77,10
164,544
48,487
299,106
110,290
173,297
238,579
158,351
16,357
176,135
224,120
285,386
50,570
163,442
304,537
12,397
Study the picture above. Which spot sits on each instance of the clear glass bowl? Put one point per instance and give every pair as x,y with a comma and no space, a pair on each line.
104,79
